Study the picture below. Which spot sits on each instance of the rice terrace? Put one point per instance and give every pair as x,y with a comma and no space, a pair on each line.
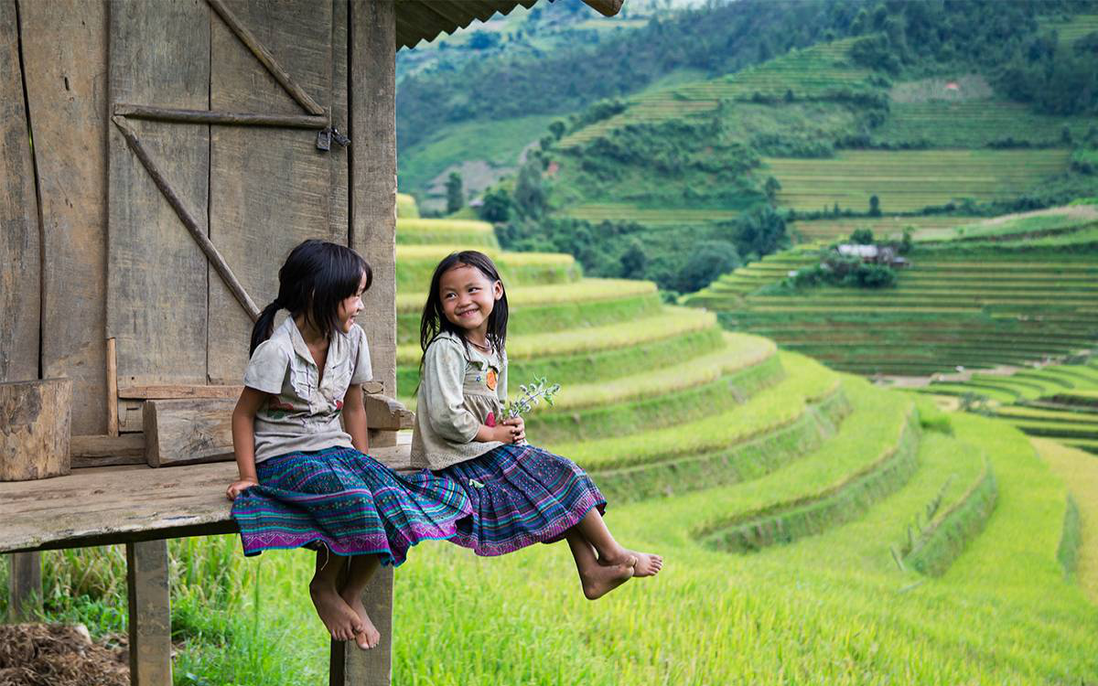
817,279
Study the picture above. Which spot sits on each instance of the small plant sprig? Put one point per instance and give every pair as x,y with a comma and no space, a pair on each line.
539,389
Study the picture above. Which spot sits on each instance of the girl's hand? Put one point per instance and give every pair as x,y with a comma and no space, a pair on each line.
518,429
238,487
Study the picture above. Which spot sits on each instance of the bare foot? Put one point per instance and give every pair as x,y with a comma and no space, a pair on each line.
644,564
366,635
340,620
599,580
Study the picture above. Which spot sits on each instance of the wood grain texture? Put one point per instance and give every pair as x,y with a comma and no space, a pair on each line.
121,504
149,607
24,587
269,188
179,432
373,172
65,58
157,290
35,425
20,243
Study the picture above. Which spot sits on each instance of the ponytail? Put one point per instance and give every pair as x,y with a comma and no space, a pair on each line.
264,326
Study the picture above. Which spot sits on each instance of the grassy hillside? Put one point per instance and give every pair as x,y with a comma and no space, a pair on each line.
976,296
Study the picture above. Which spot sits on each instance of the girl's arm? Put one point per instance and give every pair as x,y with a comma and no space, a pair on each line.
244,439
354,418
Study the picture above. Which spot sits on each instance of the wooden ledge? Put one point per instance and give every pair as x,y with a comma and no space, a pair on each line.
104,505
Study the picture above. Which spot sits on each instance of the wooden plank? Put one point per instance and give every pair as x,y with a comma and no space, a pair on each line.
349,665
121,504
178,391
65,58
112,387
156,302
24,587
20,248
187,431
270,188
373,172
168,114
35,421
103,451
150,623
131,416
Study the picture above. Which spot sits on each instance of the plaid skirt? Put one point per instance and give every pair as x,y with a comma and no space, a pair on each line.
348,502
520,495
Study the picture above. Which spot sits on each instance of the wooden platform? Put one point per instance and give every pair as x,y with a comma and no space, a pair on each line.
102,505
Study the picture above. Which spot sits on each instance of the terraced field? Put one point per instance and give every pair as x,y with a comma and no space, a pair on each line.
655,216
828,230
636,374
818,72
1002,303
908,181
1058,402
974,124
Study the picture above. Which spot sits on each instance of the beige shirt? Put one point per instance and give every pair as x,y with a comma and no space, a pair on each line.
459,387
302,410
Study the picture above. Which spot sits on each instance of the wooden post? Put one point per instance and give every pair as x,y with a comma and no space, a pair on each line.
373,234
149,613
35,428
352,666
24,586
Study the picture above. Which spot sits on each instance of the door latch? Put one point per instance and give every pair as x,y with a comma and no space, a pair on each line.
325,136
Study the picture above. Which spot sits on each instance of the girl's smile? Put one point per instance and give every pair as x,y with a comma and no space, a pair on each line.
468,298
351,306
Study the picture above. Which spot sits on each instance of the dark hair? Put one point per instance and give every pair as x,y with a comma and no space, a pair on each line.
435,322
315,278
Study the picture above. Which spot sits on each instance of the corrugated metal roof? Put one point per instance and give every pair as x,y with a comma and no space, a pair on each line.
418,20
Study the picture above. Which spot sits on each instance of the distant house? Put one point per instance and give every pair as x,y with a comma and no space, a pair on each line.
874,254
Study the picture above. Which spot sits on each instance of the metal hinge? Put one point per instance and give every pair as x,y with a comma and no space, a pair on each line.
325,136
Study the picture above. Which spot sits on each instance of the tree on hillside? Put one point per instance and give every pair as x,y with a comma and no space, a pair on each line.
455,193
874,206
760,232
771,188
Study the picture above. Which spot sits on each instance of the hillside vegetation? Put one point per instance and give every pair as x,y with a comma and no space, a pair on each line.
976,296
905,110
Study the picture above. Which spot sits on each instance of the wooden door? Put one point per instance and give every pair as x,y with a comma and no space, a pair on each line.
225,99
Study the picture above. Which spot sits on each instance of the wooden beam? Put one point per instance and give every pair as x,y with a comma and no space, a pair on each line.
105,451
373,235
150,622
178,391
24,587
266,58
373,172
188,220
349,665
64,44
20,236
187,431
112,386
181,116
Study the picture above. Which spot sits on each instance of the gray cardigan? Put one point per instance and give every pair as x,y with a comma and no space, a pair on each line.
459,387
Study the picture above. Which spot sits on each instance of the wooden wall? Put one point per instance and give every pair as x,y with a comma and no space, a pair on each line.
90,249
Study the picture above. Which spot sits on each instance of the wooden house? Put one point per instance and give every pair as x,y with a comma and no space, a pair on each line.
159,158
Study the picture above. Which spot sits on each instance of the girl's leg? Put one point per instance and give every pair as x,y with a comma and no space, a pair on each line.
597,579
362,567
342,621
593,528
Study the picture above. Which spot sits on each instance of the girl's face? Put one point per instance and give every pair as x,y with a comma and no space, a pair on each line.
468,297
351,306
